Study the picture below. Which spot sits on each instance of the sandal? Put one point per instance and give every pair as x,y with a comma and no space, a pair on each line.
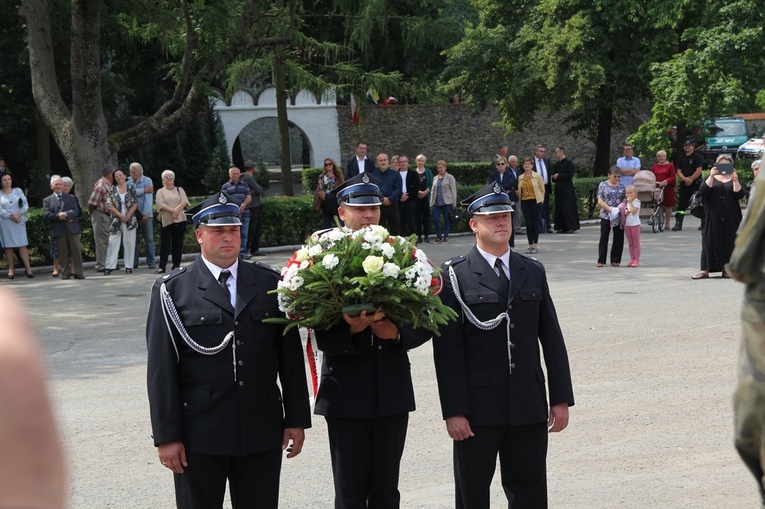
701,275
600,265
614,264
159,271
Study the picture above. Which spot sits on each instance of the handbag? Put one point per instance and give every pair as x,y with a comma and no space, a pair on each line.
456,215
696,205
318,203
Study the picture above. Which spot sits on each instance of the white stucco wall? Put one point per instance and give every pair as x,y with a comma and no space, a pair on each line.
317,121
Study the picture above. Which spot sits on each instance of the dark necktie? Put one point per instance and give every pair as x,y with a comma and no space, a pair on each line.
502,276
222,278
60,203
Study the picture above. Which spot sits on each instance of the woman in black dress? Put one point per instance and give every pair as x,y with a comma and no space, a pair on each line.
722,215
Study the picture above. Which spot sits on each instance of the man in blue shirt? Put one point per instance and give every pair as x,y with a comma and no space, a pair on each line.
628,164
144,188
240,191
390,187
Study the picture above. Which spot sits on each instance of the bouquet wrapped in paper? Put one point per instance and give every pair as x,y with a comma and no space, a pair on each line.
344,271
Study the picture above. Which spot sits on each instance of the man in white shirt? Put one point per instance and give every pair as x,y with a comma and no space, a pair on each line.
359,163
542,166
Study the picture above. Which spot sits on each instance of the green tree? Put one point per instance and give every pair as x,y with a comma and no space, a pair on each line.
198,39
588,56
715,69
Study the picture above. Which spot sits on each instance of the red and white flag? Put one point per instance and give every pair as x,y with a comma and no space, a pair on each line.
354,110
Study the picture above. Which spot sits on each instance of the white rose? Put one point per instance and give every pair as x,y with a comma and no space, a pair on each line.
387,250
380,231
373,264
305,264
336,235
330,261
391,270
301,254
315,250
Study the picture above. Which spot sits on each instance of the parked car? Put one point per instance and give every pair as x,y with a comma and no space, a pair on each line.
723,135
752,149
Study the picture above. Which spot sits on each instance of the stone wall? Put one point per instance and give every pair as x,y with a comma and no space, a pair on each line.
453,133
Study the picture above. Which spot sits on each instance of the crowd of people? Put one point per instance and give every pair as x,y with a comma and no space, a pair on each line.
414,199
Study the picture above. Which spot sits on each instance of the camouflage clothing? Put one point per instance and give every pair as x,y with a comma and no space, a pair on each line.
749,398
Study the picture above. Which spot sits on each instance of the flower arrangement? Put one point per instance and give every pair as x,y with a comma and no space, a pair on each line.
340,268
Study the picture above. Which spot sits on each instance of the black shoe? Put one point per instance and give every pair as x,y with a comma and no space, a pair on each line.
427,240
100,270
569,231
79,276
549,230
108,271
66,277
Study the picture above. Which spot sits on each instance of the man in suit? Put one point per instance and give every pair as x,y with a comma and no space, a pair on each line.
359,163
366,389
566,210
390,187
63,212
543,167
490,381
501,152
217,413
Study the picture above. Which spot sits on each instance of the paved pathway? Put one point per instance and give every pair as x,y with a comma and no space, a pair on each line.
653,358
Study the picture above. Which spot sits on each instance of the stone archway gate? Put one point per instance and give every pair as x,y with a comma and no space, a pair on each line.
317,119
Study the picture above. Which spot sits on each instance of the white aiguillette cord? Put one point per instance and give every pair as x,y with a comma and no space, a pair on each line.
168,310
488,325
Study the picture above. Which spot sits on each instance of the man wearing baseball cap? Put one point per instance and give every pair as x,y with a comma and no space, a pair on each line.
490,381
689,173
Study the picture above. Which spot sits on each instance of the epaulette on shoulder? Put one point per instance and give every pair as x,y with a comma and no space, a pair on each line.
529,258
171,275
455,260
267,267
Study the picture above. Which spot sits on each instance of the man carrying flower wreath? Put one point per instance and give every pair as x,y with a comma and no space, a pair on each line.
490,381
366,390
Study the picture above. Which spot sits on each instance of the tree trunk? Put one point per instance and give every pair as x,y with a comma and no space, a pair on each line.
285,154
81,133
603,142
42,161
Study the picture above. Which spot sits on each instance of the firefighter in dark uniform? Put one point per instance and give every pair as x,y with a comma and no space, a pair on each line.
490,381
366,390
217,413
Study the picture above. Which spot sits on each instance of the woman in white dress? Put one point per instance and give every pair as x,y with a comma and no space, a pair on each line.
13,228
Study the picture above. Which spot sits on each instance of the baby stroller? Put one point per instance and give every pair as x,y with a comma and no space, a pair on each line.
650,199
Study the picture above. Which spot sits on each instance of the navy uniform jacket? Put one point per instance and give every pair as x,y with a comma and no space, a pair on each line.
472,365
194,397
364,376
